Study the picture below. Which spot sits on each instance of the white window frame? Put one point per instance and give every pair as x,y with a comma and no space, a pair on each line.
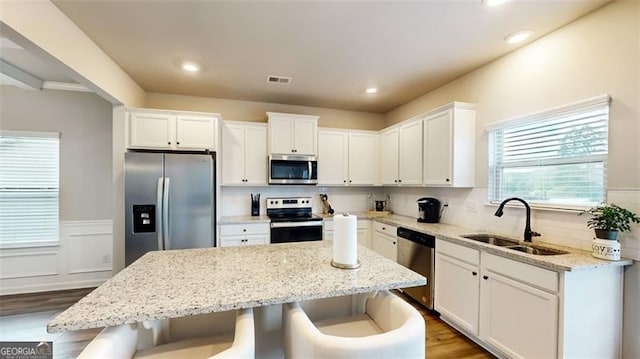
54,192
569,110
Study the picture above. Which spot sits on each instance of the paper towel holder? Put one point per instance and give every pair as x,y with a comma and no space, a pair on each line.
346,266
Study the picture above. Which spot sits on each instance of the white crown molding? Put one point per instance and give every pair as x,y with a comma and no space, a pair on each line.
65,86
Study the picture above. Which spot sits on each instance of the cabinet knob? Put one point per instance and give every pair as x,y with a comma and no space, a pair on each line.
396,181
169,142
446,179
244,230
345,181
384,228
485,277
474,273
349,181
177,143
399,181
394,242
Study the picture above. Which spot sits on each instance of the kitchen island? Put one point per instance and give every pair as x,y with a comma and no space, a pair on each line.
179,283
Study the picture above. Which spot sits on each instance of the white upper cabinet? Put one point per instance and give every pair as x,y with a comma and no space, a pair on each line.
346,157
244,153
293,134
362,158
333,157
449,146
170,130
401,154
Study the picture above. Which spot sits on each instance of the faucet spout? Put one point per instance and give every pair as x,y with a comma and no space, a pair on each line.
528,233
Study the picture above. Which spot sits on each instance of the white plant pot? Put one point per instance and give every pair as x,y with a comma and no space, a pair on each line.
606,249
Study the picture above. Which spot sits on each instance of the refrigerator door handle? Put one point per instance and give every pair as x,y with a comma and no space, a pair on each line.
160,211
165,214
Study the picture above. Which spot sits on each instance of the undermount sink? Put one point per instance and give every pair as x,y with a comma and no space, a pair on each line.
491,239
537,250
513,244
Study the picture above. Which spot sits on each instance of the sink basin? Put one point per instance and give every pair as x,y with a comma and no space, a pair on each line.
491,239
513,244
537,250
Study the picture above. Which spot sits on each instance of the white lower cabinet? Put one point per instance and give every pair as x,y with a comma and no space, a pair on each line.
364,232
384,240
519,310
245,234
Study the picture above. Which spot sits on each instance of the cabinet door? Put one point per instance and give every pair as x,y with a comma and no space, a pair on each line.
364,237
255,154
410,154
150,130
437,137
255,239
196,132
389,157
362,158
509,304
333,147
233,163
305,136
385,245
231,241
457,292
281,135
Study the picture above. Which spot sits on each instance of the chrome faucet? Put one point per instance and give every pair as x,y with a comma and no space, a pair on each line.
528,233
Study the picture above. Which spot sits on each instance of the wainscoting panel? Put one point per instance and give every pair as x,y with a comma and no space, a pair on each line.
82,259
32,263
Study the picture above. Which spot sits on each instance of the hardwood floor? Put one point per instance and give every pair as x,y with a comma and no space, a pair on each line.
444,342
24,317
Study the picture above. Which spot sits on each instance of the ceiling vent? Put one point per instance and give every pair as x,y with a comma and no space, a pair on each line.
278,79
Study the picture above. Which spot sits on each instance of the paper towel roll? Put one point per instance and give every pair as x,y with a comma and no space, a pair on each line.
345,239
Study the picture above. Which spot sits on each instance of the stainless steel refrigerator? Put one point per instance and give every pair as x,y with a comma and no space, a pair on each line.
170,202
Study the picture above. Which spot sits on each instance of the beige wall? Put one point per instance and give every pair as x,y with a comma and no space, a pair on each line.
257,111
40,27
595,55
84,122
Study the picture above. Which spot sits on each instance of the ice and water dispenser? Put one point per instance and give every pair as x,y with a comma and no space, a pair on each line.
144,218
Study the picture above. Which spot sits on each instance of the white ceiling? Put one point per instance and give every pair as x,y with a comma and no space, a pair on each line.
333,50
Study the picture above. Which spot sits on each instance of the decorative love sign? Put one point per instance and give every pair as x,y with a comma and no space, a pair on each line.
605,249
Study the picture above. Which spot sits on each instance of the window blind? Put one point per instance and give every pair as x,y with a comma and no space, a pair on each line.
29,188
557,158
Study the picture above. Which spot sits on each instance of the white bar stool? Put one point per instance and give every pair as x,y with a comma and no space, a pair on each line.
124,342
387,327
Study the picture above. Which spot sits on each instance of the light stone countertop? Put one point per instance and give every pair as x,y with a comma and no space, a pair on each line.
178,283
243,220
576,259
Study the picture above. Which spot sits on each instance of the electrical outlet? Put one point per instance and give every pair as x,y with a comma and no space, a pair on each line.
106,258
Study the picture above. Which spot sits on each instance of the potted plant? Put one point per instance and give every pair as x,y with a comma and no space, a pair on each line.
609,219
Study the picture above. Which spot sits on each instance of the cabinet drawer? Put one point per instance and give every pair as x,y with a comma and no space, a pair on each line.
525,273
239,229
385,228
362,224
465,254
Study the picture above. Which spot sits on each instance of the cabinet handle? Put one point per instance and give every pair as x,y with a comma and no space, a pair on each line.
474,273
485,277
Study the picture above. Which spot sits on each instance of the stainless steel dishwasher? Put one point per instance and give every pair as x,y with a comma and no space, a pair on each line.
416,251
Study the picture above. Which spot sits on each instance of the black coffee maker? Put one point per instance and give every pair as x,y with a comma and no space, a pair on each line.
428,210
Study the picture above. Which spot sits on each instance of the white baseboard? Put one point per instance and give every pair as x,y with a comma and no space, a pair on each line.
47,287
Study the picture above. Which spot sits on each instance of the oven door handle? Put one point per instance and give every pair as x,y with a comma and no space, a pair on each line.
296,224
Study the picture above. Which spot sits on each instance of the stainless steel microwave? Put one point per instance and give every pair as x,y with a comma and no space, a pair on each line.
293,169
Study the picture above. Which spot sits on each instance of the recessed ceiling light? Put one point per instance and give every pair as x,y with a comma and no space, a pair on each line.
190,67
371,90
494,2
518,37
